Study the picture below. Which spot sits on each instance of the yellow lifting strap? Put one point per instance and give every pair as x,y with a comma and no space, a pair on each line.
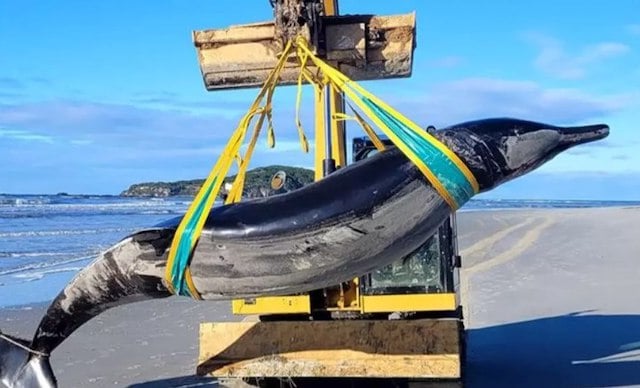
177,274
375,139
443,169
446,172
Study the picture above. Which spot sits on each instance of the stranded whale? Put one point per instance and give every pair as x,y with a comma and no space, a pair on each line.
354,221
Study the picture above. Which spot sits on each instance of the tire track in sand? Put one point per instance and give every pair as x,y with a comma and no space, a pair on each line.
484,244
525,242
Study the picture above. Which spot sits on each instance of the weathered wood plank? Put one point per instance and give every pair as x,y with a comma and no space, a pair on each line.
365,48
395,348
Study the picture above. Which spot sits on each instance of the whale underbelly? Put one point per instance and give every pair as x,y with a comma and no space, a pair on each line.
330,252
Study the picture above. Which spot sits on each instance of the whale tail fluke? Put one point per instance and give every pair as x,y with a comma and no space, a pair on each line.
21,367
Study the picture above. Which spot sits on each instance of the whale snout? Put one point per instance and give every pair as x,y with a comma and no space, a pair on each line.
571,136
514,147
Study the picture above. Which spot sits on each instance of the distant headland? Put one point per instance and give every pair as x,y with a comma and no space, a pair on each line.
257,183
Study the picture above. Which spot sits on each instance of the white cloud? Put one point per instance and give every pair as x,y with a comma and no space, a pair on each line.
446,62
474,98
11,83
623,157
588,185
555,60
81,142
17,134
286,145
634,29
134,143
130,124
450,103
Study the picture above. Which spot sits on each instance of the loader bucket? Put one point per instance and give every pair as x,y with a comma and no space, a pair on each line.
363,47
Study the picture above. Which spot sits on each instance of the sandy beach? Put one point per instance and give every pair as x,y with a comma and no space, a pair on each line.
550,298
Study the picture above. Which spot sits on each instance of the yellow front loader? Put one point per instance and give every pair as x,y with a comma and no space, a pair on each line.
399,326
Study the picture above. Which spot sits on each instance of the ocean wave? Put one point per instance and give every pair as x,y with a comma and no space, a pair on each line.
158,212
496,204
31,254
85,213
34,206
87,201
44,264
24,201
31,276
93,206
70,232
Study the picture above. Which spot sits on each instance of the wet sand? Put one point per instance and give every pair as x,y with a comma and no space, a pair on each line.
550,299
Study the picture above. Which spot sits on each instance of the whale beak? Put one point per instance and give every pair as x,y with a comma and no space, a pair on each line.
572,136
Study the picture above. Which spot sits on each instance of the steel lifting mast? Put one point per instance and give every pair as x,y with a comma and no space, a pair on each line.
342,332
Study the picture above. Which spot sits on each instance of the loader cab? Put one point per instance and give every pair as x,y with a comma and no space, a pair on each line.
432,268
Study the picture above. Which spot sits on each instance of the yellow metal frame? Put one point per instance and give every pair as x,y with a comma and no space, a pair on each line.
336,107
407,303
365,304
329,105
421,348
299,304
320,137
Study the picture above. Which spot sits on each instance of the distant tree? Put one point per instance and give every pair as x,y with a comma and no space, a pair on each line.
257,183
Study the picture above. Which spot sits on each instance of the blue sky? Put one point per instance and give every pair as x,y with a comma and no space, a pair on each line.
95,96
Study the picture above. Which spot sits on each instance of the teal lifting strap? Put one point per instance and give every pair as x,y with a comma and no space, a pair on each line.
447,172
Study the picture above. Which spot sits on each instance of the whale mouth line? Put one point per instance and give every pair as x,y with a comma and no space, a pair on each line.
584,134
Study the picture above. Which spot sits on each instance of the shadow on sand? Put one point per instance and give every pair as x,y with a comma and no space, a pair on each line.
575,350
182,381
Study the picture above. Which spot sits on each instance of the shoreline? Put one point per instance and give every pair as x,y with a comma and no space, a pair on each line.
549,208
474,199
52,283
543,290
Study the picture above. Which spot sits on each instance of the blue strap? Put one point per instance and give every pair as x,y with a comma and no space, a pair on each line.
183,252
446,171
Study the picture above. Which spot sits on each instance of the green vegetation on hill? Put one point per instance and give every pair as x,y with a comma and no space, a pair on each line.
257,183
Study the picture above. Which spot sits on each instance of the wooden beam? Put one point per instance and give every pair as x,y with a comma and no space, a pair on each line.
386,348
